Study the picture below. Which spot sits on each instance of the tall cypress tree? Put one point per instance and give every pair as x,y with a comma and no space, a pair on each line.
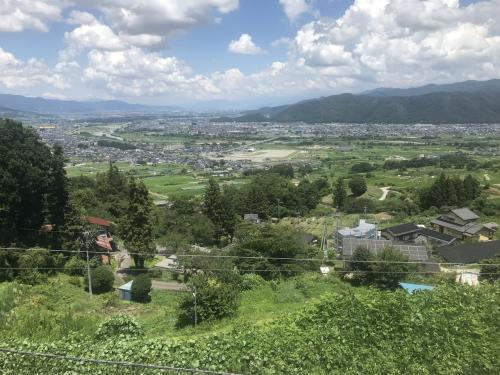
339,193
212,205
135,226
57,195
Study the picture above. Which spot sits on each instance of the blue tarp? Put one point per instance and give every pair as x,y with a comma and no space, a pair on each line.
410,288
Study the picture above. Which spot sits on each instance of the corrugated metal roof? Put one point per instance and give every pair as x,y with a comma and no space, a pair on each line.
127,286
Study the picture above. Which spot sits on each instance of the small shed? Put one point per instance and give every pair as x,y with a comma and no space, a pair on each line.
411,288
126,291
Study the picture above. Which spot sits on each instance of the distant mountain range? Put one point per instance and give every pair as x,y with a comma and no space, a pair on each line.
462,102
55,106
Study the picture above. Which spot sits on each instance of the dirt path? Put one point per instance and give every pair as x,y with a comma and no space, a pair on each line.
385,192
123,263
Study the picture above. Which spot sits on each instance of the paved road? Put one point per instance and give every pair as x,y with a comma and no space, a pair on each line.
169,285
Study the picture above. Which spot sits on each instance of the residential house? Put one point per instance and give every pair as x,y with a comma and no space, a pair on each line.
363,230
429,236
403,232
462,223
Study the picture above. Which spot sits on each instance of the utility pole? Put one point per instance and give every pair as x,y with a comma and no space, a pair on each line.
88,240
195,308
88,273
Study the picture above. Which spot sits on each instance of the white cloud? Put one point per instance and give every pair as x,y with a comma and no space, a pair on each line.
160,17
294,8
404,42
18,15
15,73
245,46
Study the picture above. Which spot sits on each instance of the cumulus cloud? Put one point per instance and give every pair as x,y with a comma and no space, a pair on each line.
245,46
294,8
18,15
15,73
404,42
158,17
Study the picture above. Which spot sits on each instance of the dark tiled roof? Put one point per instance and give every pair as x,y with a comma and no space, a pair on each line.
470,252
400,229
465,214
437,235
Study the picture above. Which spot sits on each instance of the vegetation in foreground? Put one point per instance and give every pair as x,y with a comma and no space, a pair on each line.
451,330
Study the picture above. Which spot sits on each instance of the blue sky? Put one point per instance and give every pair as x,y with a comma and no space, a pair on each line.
239,54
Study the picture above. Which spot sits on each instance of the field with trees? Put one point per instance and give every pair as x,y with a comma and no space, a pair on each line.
244,296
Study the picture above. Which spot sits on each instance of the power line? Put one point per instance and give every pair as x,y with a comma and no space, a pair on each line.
111,363
246,257
233,269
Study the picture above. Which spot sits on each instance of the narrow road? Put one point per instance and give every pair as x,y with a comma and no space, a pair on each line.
385,192
168,285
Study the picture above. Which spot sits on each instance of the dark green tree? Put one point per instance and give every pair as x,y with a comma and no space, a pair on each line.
389,269
228,211
135,226
357,184
57,196
102,280
216,297
25,165
141,289
212,202
472,188
339,194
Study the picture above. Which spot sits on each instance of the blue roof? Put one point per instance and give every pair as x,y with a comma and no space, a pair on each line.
127,286
410,288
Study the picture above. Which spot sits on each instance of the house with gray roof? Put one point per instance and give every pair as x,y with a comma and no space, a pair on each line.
462,223
363,230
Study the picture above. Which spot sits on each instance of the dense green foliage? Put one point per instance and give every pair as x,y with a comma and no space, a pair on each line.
490,269
385,270
450,330
136,227
457,160
116,144
33,189
119,327
102,279
141,288
357,184
450,191
258,245
215,295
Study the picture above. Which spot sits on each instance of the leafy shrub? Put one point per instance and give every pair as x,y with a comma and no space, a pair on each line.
251,281
119,325
216,297
33,265
364,331
102,280
75,266
141,288
75,280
